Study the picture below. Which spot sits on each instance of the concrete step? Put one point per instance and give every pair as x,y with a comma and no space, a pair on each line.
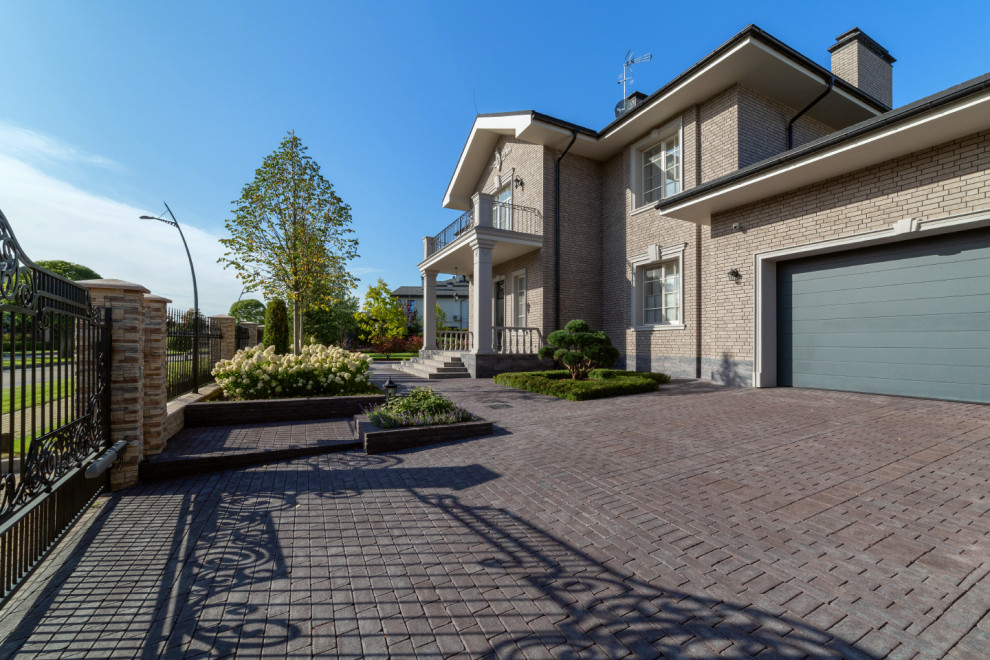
436,368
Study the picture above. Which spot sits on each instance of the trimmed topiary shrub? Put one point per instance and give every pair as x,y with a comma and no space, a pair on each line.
600,383
277,327
579,349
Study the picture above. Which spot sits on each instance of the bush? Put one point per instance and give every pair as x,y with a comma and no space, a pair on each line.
421,406
601,383
579,349
277,327
388,345
413,344
260,373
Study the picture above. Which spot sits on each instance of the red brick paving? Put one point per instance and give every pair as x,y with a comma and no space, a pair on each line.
694,522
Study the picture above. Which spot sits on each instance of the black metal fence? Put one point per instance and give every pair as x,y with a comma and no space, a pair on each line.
55,407
182,364
243,337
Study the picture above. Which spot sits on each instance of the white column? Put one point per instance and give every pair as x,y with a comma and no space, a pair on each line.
481,302
429,310
428,242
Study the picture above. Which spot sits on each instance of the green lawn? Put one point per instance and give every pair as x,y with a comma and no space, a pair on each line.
392,356
52,389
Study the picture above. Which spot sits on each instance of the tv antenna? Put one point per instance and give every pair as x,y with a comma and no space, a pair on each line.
626,77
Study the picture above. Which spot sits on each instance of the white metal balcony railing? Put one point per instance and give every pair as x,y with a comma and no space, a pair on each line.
455,340
516,340
504,216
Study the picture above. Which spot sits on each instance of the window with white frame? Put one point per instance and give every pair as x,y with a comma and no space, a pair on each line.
658,288
662,293
520,300
657,166
502,217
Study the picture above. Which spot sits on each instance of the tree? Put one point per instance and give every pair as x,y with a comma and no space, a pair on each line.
441,318
248,311
382,315
579,349
332,325
69,270
289,234
277,326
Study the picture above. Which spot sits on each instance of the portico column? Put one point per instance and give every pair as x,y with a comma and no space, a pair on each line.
429,310
481,302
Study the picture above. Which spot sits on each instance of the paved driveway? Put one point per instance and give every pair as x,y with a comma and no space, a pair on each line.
694,522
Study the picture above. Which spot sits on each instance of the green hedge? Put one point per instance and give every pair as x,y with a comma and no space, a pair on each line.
601,383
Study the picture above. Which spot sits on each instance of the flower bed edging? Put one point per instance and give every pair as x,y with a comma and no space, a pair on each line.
378,440
260,411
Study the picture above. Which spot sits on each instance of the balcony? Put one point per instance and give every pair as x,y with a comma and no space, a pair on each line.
514,230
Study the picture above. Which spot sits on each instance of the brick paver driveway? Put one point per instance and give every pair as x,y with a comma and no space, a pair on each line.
694,522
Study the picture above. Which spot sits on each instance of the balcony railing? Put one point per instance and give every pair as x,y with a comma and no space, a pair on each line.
516,340
504,216
454,340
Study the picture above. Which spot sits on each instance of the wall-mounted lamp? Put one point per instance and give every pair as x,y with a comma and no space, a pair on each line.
734,275
518,182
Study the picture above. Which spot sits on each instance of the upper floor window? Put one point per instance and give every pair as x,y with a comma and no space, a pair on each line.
657,166
662,169
502,217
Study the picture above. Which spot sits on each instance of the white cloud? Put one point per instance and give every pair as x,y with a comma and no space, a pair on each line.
53,219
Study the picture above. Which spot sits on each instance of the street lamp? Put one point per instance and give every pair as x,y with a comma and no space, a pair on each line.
175,223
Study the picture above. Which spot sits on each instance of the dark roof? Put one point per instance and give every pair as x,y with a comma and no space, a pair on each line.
927,104
443,290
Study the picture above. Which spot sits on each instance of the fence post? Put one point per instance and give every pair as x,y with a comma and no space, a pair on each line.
252,334
155,374
126,301
228,335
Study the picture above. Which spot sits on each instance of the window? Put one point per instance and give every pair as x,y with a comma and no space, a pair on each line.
662,169
662,294
656,166
658,288
520,301
503,208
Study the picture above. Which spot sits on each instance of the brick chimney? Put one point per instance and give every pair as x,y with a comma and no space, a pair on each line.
859,60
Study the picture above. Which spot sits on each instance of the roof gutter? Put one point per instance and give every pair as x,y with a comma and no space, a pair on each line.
790,124
556,231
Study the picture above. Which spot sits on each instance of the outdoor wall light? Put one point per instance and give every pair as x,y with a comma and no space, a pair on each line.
518,182
734,275
390,389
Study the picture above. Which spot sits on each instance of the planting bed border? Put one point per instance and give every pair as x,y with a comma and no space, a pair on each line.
260,411
377,440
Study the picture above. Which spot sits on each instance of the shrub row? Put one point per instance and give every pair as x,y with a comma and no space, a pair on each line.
601,383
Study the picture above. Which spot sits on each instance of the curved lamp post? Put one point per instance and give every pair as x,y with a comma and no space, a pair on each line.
175,223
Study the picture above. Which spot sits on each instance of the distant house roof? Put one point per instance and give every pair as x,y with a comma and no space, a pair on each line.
444,290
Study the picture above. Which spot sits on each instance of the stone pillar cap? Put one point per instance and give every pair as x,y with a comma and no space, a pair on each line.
112,284
221,316
153,298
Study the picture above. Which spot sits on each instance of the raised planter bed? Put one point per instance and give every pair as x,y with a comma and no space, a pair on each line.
378,440
228,413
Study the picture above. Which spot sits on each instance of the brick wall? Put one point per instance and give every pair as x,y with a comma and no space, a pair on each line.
763,127
948,179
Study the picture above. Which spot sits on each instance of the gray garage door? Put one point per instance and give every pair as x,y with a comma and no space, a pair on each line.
910,318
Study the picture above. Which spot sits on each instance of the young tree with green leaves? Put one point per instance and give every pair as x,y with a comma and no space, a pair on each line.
248,311
381,315
289,234
441,318
69,270
332,325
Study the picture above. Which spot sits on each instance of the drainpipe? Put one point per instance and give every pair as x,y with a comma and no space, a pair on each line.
556,233
790,124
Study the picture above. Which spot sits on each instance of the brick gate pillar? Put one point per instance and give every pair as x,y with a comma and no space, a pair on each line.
252,334
126,301
155,374
228,332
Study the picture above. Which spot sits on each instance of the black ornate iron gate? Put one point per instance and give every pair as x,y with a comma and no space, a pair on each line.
55,407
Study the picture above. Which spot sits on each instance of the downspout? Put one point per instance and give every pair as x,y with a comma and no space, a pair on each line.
790,124
556,233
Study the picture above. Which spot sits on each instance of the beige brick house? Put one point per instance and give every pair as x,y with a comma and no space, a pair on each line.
759,220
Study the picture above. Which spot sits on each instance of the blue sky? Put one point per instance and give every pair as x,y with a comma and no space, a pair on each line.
111,107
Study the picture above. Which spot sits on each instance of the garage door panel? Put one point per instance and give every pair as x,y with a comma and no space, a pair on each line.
914,292
910,318
945,305
907,323
892,277
921,341
966,374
